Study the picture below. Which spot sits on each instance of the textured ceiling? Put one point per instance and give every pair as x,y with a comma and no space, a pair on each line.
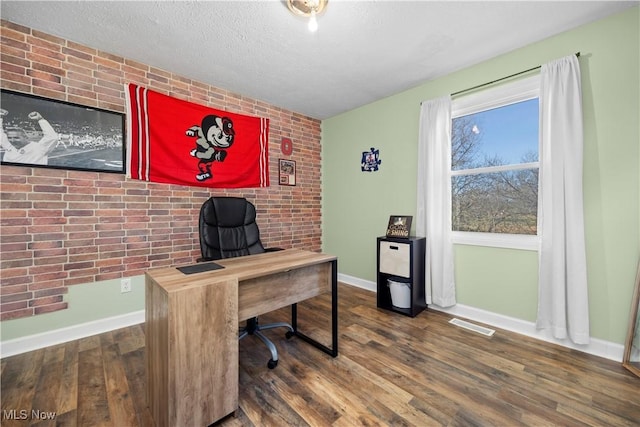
362,52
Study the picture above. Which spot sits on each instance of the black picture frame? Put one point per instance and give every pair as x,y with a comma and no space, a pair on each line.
42,132
287,172
399,226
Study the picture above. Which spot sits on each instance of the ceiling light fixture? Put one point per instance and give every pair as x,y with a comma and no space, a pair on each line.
308,9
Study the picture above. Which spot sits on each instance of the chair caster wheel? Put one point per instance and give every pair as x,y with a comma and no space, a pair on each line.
289,334
272,364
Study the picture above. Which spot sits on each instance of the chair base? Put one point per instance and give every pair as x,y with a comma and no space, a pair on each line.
254,328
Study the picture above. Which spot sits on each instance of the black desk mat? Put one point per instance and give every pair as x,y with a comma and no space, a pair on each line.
200,267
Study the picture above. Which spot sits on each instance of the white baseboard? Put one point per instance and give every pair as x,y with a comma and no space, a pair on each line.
597,347
357,282
59,336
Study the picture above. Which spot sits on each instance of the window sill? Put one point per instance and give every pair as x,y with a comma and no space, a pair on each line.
507,241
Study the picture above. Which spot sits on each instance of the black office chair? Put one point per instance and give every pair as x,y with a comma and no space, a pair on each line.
228,229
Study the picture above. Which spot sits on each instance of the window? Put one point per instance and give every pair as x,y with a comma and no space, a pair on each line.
494,166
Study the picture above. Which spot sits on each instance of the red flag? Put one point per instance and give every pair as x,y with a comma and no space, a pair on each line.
178,142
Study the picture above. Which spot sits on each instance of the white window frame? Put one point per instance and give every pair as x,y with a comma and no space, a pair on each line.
503,95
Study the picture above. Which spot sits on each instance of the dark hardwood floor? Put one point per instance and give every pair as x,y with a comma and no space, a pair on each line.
391,370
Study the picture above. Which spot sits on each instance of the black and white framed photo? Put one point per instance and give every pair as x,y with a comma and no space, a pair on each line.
43,132
287,172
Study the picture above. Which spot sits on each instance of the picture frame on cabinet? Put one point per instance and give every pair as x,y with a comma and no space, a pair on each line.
399,226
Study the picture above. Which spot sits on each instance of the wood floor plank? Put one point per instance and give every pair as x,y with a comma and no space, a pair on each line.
392,370
292,380
301,400
68,397
91,342
66,419
120,402
134,365
45,399
19,382
257,408
93,406
344,402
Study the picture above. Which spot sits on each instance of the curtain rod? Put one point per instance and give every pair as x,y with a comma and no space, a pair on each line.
500,79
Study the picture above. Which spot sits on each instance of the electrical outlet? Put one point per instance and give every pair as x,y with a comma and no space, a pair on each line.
125,285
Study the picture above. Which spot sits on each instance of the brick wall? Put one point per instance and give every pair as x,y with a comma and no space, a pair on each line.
60,228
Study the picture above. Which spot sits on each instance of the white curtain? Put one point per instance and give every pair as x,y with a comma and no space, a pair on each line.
433,216
563,306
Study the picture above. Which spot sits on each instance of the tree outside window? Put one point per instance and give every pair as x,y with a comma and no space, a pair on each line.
494,169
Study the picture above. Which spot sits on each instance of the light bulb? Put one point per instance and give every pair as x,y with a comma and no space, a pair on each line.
313,22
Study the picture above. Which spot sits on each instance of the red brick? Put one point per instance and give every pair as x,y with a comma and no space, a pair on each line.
81,256
41,269
21,296
16,255
50,308
14,283
13,289
51,260
13,306
38,302
41,234
47,284
87,273
4,265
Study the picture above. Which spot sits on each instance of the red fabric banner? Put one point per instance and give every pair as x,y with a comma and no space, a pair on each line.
178,142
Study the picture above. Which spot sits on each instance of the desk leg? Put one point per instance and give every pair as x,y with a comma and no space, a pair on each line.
333,352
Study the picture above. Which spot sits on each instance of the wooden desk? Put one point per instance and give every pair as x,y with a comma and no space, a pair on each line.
192,321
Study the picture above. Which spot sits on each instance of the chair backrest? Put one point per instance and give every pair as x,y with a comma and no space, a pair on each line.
228,228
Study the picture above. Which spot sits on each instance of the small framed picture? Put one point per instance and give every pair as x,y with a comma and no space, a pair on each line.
399,226
287,172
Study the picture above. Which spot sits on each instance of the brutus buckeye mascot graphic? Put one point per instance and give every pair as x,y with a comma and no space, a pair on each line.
214,136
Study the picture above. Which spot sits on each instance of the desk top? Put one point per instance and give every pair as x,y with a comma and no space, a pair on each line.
241,268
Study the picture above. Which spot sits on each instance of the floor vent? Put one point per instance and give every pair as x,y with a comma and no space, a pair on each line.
479,329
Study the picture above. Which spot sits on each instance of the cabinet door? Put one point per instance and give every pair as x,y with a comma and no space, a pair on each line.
395,258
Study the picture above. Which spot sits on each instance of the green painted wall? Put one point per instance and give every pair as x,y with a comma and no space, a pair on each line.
357,205
87,303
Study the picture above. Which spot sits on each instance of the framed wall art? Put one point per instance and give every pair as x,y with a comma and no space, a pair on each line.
42,132
370,160
399,226
287,172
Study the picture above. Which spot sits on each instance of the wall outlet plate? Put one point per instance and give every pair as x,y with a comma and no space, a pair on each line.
125,285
